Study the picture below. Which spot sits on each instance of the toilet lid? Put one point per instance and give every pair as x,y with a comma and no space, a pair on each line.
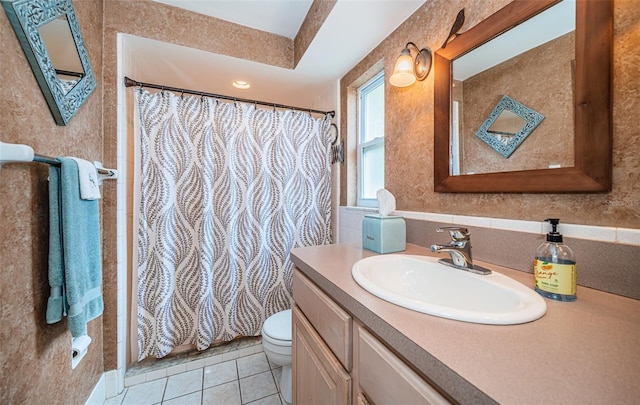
278,325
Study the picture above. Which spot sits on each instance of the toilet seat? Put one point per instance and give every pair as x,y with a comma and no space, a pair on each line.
277,328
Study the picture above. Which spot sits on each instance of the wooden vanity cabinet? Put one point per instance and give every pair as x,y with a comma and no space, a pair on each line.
318,377
336,360
383,378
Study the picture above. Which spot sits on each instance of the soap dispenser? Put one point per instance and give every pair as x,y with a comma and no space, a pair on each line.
555,267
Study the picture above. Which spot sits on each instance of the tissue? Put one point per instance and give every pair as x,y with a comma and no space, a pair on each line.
386,202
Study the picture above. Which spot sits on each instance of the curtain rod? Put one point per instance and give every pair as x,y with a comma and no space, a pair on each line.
132,83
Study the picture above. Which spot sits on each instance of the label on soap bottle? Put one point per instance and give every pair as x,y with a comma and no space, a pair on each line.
555,278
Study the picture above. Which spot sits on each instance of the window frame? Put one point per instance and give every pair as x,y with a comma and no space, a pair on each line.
366,88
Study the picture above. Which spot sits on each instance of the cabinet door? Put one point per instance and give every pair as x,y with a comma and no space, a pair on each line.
331,322
318,377
386,379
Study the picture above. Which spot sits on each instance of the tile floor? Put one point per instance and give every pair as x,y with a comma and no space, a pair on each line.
219,380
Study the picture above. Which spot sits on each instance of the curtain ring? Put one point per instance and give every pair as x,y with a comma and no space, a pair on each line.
336,139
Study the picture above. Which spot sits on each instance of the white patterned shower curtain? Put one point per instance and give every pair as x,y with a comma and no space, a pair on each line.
226,191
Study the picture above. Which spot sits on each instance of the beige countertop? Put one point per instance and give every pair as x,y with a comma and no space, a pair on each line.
582,352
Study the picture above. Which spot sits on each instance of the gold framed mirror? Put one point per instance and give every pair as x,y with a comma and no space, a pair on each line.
592,72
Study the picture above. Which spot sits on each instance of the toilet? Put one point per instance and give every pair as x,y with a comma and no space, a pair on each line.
276,341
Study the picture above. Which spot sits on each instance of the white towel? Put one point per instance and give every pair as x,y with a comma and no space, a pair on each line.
88,176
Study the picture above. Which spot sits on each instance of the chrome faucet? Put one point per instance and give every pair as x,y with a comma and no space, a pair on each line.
459,249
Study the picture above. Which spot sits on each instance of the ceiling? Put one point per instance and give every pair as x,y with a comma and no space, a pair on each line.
364,22
282,17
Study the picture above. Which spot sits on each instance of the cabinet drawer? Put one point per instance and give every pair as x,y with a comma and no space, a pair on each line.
385,379
318,377
331,322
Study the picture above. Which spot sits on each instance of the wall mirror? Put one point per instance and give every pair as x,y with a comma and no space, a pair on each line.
566,78
508,125
50,37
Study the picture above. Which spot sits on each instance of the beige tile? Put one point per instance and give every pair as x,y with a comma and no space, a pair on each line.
146,393
209,361
258,348
253,364
257,386
277,373
154,375
195,398
224,394
220,373
184,383
270,400
245,351
117,400
177,369
135,379
628,236
195,364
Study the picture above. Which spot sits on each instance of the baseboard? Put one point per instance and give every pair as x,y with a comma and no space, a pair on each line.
98,394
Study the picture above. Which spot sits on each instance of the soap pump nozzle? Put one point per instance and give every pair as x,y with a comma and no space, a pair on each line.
554,236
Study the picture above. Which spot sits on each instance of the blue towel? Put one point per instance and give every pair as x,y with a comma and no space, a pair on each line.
75,263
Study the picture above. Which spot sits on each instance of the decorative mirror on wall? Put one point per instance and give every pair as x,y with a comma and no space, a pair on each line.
576,107
508,125
50,37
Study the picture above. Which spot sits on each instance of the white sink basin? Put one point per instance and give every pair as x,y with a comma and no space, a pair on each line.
422,284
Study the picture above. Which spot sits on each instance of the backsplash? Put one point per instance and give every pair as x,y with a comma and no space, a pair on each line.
607,257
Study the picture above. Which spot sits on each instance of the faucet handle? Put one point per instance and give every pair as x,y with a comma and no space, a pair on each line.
458,234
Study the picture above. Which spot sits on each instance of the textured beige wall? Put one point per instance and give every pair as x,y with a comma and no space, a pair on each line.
540,79
35,357
153,20
409,128
317,14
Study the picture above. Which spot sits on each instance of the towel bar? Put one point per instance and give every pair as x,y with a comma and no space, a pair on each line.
16,153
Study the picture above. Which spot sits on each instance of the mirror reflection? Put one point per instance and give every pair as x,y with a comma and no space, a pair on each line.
534,63
57,37
506,126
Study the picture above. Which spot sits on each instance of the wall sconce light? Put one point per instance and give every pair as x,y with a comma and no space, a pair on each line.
408,69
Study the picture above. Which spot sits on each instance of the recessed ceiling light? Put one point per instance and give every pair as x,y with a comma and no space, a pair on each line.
241,84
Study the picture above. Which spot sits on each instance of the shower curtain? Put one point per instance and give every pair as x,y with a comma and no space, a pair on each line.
226,191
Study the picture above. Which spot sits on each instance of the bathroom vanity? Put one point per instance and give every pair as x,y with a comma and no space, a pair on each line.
351,347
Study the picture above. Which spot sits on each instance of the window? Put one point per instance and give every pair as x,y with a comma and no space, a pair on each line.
370,140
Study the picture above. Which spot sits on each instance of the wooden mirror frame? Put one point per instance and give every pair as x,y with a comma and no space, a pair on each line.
592,105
